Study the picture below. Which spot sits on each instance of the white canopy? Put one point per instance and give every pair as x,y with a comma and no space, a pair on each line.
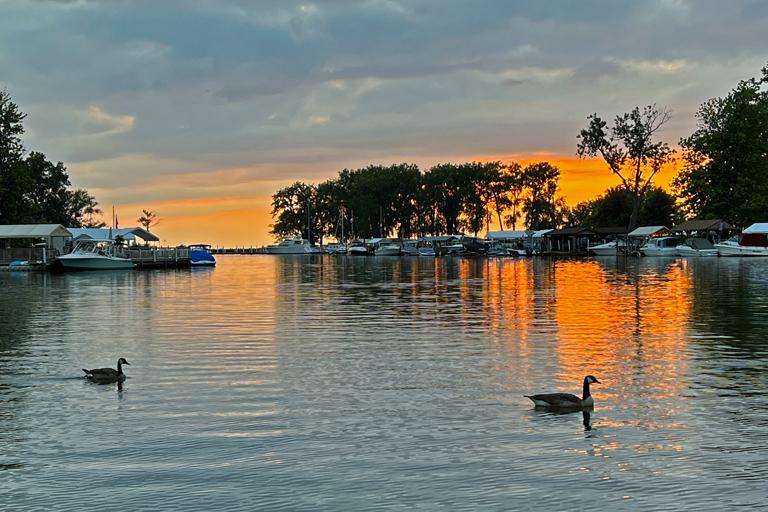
505,235
107,233
516,234
648,230
33,231
760,227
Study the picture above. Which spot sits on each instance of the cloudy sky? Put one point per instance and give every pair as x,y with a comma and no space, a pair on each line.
201,109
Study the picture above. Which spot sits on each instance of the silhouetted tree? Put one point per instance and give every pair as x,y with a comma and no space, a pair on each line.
629,149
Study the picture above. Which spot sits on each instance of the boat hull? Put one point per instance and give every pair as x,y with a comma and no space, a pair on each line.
94,263
740,250
658,251
689,252
291,250
387,251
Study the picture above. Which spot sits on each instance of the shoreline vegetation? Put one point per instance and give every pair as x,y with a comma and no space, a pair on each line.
723,174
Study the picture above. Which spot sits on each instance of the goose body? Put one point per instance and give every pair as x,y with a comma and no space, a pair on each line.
107,375
566,400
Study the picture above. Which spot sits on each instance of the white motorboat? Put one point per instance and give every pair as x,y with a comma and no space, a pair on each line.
410,247
696,247
427,252
336,248
387,249
609,248
753,241
661,246
294,245
94,254
358,248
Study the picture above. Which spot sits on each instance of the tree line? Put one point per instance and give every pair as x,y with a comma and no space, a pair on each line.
34,190
401,199
724,174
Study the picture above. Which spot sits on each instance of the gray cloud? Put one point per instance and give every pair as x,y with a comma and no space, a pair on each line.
281,85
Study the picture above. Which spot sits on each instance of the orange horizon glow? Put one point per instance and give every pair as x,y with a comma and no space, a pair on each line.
244,220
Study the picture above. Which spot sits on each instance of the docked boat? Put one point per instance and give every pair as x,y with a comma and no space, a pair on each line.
294,245
661,246
200,256
752,242
696,247
94,254
336,248
358,248
386,247
609,248
410,247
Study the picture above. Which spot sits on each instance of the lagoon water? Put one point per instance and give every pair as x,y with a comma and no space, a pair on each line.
333,383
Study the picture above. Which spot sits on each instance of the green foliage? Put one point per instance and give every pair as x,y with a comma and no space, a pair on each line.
629,149
725,171
614,208
33,190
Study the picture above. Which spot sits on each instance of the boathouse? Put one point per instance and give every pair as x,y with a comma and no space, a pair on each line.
713,230
575,241
32,242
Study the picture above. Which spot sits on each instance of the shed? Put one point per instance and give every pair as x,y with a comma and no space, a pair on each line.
573,240
55,235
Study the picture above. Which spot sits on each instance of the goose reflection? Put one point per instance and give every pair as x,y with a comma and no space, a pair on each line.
587,417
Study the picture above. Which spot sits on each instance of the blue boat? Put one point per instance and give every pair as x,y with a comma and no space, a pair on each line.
200,255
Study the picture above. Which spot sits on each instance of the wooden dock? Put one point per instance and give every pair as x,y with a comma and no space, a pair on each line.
176,257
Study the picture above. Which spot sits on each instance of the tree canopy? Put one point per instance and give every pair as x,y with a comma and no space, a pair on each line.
34,190
379,201
725,171
614,208
630,149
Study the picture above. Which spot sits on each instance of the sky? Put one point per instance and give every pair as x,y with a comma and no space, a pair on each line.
202,109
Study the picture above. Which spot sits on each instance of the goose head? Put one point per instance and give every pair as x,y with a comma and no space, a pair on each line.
589,379
123,361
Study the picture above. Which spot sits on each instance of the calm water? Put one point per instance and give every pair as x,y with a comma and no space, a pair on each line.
290,383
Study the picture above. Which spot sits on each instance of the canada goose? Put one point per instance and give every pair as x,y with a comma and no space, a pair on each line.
566,400
107,375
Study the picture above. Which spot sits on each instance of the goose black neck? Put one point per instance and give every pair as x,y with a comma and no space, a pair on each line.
586,392
119,367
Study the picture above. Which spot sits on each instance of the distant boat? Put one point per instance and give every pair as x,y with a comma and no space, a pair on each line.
608,248
200,255
358,248
294,245
661,246
93,254
696,247
752,242
335,248
386,247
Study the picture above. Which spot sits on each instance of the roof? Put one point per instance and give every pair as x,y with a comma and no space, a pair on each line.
760,227
703,225
33,231
649,230
107,233
610,230
506,235
577,230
